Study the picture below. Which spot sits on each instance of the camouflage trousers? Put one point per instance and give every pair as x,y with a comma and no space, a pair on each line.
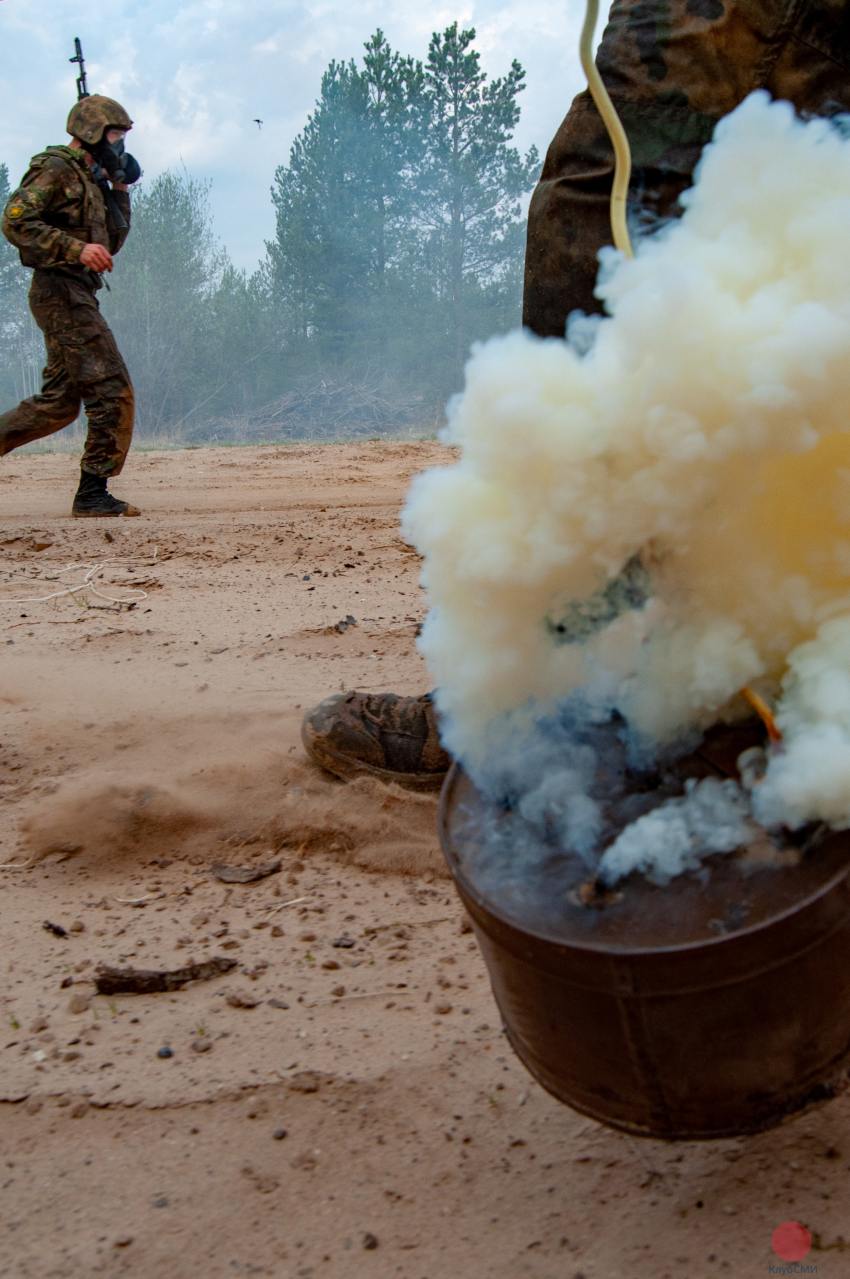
84,366
673,69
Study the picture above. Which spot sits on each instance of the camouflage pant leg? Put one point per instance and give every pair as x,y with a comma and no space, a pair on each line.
673,69
83,364
55,406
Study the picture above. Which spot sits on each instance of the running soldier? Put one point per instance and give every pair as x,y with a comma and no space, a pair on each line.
67,218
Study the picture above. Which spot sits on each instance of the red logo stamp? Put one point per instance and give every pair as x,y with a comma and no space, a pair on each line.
791,1241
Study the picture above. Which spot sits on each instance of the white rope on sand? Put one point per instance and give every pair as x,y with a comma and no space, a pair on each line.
92,573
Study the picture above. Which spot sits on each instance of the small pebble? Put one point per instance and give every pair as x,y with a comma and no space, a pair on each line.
165,1052
79,1003
123,1242
39,1024
201,1045
77,927
241,999
305,1162
279,1134
370,1241
81,1108
305,1081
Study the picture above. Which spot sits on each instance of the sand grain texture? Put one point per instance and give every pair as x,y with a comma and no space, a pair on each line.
343,1103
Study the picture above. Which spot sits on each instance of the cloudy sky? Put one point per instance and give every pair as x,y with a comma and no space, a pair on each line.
194,73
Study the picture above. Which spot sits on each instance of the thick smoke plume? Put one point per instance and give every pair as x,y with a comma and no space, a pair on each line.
657,511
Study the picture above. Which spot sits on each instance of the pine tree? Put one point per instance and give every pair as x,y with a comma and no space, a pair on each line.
343,205
472,183
318,260
394,144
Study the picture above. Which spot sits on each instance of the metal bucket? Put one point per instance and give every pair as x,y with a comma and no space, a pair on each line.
711,1007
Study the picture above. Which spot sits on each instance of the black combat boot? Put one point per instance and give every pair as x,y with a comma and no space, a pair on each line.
92,500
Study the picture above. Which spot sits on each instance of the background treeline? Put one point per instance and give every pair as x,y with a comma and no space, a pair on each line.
399,235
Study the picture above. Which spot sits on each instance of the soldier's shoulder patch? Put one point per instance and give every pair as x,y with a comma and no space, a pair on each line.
15,211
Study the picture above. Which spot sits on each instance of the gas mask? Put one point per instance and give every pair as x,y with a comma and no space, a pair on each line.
114,162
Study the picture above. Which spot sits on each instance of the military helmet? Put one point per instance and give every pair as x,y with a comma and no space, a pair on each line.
91,116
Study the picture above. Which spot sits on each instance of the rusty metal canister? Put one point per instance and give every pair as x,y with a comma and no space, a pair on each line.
715,1006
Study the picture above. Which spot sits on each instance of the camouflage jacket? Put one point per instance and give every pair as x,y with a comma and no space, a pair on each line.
59,208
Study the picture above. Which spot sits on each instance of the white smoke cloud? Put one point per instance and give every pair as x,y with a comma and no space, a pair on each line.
701,426
712,817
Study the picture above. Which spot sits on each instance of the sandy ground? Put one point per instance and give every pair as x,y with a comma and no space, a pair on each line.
343,1102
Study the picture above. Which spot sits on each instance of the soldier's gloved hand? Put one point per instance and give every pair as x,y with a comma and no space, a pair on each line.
96,258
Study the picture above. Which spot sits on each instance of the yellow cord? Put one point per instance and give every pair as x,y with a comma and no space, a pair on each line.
616,132
764,713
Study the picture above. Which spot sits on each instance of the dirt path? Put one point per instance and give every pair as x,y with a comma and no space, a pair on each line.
343,1102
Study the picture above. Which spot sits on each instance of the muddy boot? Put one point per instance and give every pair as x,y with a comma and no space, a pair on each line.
395,739
92,500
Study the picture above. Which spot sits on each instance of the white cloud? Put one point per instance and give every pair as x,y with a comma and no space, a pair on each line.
270,45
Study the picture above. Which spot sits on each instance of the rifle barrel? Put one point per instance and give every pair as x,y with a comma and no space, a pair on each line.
82,87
